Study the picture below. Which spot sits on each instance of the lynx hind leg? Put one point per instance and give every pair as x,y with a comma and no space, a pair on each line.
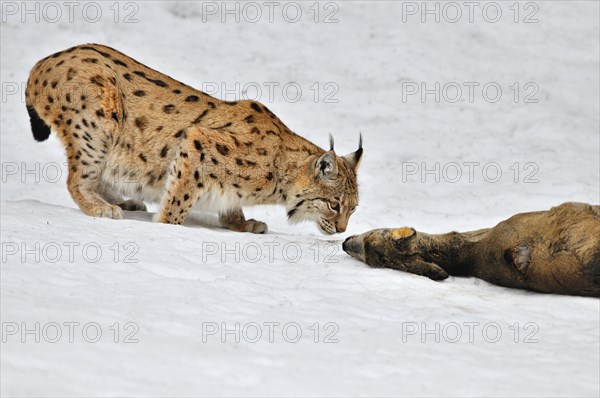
84,179
235,221
83,187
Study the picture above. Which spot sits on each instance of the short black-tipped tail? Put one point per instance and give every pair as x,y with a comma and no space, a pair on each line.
41,131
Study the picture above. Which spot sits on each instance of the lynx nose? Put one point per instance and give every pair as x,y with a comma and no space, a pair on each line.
340,226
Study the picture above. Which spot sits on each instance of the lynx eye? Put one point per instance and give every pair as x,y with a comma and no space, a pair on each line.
334,207
353,210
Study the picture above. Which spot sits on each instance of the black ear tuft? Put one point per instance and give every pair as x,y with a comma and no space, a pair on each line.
354,158
330,142
359,151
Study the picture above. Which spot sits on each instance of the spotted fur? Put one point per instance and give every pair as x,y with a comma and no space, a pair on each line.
133,133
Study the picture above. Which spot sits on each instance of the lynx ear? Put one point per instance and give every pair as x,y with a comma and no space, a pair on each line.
326,165
354,158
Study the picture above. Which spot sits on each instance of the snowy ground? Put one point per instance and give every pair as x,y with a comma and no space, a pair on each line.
166,294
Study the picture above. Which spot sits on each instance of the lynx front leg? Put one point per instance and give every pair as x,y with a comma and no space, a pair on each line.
235,220
183,192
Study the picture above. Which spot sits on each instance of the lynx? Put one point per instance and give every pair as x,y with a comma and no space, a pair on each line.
132,132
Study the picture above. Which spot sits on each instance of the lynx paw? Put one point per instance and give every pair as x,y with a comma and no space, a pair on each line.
107,211
256,227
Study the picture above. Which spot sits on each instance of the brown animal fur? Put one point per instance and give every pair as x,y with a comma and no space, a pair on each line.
554,251
130,131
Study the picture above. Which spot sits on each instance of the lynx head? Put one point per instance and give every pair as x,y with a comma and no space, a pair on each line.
326,190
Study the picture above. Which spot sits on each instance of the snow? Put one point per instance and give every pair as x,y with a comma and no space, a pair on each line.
171,287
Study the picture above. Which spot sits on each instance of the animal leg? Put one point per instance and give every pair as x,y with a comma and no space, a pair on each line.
234,219
183,192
